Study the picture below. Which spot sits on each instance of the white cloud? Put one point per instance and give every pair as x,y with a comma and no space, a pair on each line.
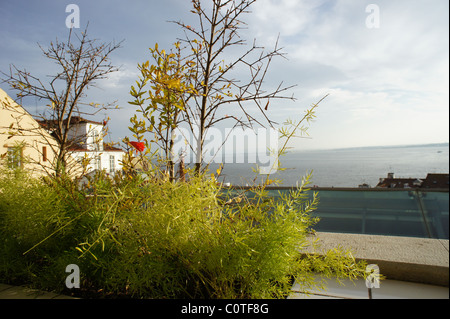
289,17
123,78
381,80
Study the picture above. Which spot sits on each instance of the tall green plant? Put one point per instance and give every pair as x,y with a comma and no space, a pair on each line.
140,235
152,238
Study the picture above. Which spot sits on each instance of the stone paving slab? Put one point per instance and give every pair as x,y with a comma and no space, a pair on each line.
21,292
388,289
299,295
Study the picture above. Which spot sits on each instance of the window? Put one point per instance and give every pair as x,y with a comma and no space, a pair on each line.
15,159
112,167
98,162
95,138
44,153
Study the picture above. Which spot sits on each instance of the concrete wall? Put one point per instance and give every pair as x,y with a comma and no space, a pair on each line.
419,260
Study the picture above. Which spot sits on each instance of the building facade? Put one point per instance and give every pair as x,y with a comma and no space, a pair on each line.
89,149
23,142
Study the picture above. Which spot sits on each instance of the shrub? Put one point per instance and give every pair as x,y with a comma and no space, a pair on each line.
29,212
152,238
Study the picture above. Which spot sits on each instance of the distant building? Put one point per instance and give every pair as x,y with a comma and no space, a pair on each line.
436,181
431,181
88,147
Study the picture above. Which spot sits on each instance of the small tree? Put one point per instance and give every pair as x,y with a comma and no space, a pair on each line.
217,33
81,62
163,105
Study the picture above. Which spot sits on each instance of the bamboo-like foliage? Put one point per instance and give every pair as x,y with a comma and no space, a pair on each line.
146,238
143,236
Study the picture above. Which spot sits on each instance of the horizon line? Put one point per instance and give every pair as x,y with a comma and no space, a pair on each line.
369,146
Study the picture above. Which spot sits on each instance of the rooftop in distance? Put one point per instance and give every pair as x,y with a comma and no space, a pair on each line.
440,181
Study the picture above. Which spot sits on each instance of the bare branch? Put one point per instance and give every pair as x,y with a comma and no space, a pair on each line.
219,31
81,62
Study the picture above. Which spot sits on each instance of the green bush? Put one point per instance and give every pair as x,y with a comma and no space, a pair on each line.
29,212
152,238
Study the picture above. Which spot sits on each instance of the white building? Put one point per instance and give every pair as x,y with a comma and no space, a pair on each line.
89,147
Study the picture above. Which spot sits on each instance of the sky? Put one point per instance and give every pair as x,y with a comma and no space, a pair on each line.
384,64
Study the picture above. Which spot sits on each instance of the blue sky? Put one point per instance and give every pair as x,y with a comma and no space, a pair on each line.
387,85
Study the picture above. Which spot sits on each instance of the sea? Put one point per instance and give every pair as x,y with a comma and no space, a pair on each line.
349,167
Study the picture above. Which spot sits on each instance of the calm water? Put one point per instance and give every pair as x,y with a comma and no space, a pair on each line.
350,167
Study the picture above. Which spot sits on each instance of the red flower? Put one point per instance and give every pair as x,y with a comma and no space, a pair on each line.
140,146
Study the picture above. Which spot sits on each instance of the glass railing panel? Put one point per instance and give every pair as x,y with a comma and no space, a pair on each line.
435,207
381,212
394,213
370,212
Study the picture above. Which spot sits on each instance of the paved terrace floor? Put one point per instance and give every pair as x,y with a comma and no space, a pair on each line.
388,289
21,292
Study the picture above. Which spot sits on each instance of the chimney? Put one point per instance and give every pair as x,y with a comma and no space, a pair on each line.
390,175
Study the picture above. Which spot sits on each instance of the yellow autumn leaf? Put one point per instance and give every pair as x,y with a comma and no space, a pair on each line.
219,170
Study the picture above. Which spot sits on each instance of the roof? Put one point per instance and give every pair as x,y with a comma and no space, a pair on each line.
79,119
400,183
436,181
433,180
73,120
